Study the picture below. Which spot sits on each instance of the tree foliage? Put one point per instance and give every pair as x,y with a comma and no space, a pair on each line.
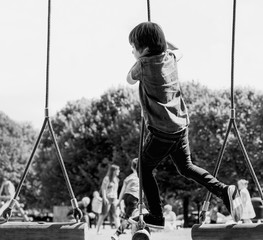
90,135
16,142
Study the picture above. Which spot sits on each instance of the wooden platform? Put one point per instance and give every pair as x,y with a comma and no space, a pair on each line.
251,231
43,231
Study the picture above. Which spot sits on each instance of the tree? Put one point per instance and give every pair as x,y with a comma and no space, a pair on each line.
91,135
16,141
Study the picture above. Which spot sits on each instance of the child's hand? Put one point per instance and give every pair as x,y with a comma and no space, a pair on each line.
171,46
178,54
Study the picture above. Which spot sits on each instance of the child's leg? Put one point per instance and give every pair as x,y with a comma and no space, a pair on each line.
182,159
102,216
114,213
229,194
100,222
154,150
124,224
130,203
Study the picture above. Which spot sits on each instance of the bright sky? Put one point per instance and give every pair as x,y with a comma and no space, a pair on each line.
90,51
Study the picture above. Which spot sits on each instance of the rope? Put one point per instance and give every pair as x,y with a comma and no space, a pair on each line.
141,222
148,10
48,54
233,54
140,163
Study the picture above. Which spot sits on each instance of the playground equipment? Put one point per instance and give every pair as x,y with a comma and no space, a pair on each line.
68,230
234,231
39,231
77,212
142,231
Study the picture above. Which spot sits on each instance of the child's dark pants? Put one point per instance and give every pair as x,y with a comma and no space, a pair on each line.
159,145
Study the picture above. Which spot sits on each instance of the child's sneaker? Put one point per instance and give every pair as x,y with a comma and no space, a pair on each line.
233,203
150,220
115,236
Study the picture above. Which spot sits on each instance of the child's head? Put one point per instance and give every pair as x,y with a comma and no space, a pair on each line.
113,171
134,163
96,194
85,201
168,208
149,36
242,183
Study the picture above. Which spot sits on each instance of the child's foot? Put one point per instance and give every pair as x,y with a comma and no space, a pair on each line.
150,220
233,203
115,236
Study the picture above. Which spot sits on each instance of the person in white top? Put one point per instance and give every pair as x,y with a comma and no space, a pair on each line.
7,190
248,209
109,192
169,217
130,195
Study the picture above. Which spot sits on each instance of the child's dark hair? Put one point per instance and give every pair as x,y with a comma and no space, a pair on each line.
148,34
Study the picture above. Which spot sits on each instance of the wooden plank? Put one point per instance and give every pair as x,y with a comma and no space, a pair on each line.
251,231
43,231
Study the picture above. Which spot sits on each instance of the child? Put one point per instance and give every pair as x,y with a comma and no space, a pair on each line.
83,205
109,192
213,214
130,194
169,217
7,190
167,120
96,203
248,209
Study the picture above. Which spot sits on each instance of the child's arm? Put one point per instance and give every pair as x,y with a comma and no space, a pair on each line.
130,80
134,74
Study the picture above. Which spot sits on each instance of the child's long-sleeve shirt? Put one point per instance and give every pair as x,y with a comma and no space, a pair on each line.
160,95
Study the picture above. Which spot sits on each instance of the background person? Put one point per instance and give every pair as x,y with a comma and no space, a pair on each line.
130,195
7,192
213,214
109,192
248,209
169,217
96,205
83,206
